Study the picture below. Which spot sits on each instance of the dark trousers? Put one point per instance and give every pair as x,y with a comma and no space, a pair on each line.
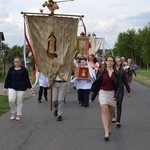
83,96
119,104
41,89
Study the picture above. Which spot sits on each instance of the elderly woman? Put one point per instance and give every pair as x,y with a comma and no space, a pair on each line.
107,85
17,82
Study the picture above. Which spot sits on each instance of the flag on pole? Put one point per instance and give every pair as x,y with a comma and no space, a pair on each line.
95,45
53,41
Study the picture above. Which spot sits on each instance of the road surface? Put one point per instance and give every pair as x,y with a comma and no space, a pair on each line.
81,128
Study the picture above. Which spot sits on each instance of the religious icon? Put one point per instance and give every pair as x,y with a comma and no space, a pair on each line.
51,48
82,44
83,74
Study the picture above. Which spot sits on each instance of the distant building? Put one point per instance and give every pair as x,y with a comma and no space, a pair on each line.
1,39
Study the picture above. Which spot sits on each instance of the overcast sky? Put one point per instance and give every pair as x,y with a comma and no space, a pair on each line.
107,18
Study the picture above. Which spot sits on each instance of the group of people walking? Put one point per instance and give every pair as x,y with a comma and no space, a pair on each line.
18,81
107,79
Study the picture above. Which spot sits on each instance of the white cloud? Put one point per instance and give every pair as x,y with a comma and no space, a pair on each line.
106,18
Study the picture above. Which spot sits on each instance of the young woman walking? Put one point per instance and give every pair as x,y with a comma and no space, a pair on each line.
107,84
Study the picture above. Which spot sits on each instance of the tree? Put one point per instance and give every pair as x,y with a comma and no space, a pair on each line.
145,40
125,44
13,52
135,45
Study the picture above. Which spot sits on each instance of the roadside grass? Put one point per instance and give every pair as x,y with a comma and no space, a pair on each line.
4,106
145,73
2,78
143,77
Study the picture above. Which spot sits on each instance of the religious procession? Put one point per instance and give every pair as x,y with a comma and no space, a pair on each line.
68,59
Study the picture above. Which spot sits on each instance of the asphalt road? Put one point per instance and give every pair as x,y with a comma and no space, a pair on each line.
81,128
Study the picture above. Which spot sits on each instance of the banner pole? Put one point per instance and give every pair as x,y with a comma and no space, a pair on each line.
51,96
24,47
48,14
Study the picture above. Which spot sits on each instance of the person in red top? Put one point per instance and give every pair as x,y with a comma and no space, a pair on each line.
107,84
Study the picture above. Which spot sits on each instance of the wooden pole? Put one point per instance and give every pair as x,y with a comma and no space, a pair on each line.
48,14
4,63
51,96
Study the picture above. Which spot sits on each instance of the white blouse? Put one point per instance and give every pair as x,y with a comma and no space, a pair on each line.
83,84
43,80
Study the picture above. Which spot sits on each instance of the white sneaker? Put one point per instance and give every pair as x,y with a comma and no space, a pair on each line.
113,120
13,117
18,118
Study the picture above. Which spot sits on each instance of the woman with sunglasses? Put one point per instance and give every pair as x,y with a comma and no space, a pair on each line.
107,85
17,82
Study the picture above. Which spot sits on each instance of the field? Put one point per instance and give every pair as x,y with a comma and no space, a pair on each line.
143,77
4,107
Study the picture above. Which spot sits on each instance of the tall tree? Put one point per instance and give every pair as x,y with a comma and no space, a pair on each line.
145,39
125,44
13,52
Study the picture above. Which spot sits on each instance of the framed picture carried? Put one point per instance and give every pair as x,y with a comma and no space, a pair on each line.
82,44
82,73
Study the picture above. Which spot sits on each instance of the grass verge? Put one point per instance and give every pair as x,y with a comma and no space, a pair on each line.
4,106
145,73
143,77
2,78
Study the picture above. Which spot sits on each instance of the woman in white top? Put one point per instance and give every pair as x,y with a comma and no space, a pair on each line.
43,86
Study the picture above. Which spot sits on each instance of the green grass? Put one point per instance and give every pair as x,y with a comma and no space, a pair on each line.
143,77
4,106
2,78
145,73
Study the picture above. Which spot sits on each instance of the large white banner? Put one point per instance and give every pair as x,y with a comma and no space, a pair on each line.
95,45
53,41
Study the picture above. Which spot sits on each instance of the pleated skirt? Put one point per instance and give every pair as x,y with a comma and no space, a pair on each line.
106,97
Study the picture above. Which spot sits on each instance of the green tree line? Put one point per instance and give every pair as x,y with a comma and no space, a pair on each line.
7,55
135,45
